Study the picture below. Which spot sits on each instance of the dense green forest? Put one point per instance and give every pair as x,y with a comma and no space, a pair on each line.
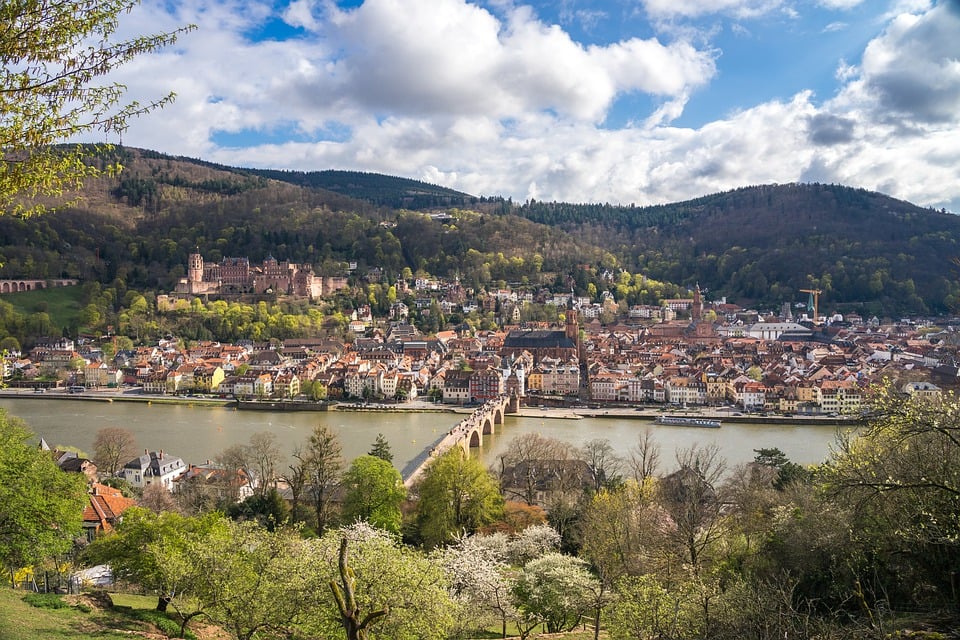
396,193
756,246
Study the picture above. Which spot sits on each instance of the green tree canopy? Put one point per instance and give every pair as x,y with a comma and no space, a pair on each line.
900,478
52,55
457,495
388,576
381,449
373,493
153,550
40,505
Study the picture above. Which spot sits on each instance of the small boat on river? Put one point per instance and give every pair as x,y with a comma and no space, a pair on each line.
686,421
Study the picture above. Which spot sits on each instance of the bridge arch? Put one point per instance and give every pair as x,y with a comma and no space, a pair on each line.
487,425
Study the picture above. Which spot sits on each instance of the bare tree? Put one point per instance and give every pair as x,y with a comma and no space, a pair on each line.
260,458
158,499
751,498
322,461
690,497
232,459
644,456
265,457
603,463
531,466
112,448
295,479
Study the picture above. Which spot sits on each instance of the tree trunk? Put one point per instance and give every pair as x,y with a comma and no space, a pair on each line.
346,601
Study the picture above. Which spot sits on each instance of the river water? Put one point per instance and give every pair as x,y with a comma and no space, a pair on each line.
198,433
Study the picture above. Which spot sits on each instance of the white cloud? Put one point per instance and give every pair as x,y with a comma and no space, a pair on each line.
661,9
422,57
300,13
840,4
445,91
910,74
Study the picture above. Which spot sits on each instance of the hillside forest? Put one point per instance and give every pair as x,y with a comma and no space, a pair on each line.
131,235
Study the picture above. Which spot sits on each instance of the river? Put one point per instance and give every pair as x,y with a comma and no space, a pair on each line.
198,433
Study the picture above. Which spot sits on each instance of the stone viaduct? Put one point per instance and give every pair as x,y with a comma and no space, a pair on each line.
466,434
13,286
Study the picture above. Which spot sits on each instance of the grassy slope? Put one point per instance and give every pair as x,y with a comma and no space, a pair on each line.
21,621
61,303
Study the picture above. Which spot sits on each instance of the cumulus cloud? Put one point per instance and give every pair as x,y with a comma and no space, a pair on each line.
435,57
507,104
827,129
912,71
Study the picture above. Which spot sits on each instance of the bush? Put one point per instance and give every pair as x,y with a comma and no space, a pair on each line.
45,601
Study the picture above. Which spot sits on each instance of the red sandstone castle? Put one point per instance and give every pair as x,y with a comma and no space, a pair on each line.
235,276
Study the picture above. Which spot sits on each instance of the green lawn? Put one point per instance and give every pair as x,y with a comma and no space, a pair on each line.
62,304
68,618
54,617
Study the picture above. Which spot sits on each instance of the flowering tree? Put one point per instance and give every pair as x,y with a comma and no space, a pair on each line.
480,581
557,590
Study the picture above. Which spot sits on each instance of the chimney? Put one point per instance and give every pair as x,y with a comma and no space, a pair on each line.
161,454
146,452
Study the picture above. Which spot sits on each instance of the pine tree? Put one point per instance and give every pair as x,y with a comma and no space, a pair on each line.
381,449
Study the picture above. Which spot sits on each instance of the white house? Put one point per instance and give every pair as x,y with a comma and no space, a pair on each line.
153,467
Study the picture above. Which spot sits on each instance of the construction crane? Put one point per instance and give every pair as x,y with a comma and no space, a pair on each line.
814,303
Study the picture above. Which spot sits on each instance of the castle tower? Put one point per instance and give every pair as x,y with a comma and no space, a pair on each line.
195,267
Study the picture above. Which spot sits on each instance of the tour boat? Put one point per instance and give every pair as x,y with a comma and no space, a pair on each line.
684,421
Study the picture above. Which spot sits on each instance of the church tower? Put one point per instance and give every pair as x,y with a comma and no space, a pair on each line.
573,325
696,310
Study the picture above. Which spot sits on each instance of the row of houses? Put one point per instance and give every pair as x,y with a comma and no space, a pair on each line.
771,365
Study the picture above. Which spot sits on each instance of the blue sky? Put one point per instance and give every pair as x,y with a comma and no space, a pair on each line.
625,101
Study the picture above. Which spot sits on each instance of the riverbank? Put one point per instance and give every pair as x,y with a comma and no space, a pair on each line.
112,395
724,414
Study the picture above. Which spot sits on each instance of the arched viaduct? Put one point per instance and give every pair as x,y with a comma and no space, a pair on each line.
14,286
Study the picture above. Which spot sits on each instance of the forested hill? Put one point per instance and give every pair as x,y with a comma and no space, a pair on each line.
764,243
757,245
379,189
138,230
375,188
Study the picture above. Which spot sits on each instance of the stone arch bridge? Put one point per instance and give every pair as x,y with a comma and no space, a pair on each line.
466,434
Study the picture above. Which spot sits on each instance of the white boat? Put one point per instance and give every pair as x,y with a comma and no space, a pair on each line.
684,421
